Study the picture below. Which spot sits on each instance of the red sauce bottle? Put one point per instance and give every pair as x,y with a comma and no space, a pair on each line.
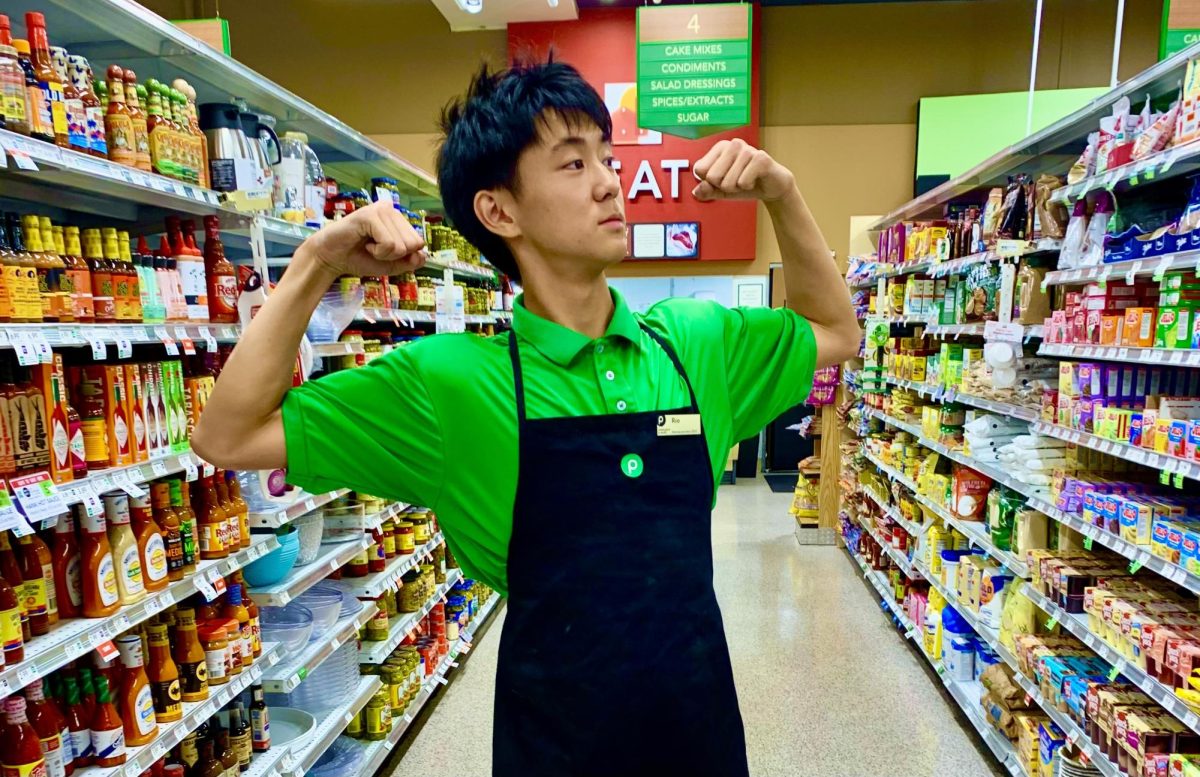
49,723
78,722
11,571
65,559
21,755
108,733
11,634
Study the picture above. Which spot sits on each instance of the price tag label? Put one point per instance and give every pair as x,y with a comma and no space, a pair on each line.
1133,271
218,582
210,342
206,588
1177,480
158,467
27,674
369,315
1178,574
209,469
125,482
107,650
1191,720
91,501
1112,674
181,335
168,342
41,347
189,468
1089,640
22,344
159,748
1161,269
38,497
95,339
23,160
1087,542
1052,623
1135,565
157,604
124,346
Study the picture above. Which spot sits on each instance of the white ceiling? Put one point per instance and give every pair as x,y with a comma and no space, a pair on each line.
498,14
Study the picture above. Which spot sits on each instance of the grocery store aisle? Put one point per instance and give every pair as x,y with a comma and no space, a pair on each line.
826,685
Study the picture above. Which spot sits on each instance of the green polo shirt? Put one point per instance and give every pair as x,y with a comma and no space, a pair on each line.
434,423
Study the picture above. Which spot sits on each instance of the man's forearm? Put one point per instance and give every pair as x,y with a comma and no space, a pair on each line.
812,282
240,420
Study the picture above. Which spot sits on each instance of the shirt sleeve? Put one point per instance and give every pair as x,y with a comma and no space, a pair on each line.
770,355
373,429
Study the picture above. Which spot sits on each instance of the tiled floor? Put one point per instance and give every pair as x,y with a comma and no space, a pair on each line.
827,686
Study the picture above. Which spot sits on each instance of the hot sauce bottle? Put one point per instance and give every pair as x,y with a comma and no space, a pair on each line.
66,560
235,610
222,277
78,723
101,596
168,522
81,78
38,575
189,524
48,723
75,443
10,568
104,299
234,533
10,624
118,122
151,548
21,755
214,523
163,676
141,137
46,101
77,278
120,276
252,611
189,657
76,115
260,720
108,733
137,700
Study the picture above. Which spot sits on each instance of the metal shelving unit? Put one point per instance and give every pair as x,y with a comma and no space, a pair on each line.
303,505
376,583
1166,357
1127,271
290,672
377,652
1122,450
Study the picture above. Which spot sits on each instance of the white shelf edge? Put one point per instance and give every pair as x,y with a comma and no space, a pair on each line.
302,578
377,652
303,505
376,583
288,674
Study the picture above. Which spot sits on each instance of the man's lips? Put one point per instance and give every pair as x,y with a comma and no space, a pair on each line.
613,220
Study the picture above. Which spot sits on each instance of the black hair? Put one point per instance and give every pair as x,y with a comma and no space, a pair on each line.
485,132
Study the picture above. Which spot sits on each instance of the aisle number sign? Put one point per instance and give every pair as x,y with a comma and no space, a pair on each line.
693,74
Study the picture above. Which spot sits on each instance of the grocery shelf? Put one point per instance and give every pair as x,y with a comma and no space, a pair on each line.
891,511
1161,461
291,671
332,723
1074,734
972,530
135,474
967,695
80,335
1140,554
955,266
377,583
302,506
1171,357
468,633
447,259
1153,167
76,637
891,271
397,317
903,562
140,759
1153,265
943,394
330,557
879,582
1077,625
368,522
336,349
403,624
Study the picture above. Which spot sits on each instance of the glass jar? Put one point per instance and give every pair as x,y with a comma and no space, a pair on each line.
421,528
216,661
378,625
409,598
426,294
388,528
405,538
377,717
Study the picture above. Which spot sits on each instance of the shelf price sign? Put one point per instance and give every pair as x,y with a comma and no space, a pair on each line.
693,68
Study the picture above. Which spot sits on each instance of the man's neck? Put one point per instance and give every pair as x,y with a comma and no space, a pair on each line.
585,306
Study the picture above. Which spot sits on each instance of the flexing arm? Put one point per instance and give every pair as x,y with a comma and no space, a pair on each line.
814,286
241,427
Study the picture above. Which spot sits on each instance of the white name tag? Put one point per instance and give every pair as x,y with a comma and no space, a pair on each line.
674,425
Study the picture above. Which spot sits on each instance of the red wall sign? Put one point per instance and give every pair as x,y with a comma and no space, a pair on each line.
656,169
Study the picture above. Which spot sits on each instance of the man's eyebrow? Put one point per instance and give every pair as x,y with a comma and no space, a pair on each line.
572,141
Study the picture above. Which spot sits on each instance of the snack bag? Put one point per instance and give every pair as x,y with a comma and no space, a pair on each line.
1086,164
1052,216
969,493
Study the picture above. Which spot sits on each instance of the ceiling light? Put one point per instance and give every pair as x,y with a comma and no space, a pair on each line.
470,6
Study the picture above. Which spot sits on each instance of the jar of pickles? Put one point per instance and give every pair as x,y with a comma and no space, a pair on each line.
410,598
426,294
405,533
377,717
439,564
388,530
379,624
422,532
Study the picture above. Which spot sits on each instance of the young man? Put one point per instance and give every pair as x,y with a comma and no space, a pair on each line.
572,464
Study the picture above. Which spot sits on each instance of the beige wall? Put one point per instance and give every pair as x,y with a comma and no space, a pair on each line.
840,83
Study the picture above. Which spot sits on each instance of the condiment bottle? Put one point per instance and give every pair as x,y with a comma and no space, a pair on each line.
358,565
210,764
77,278
163,675
10,568
66,561
11,634
21,755
110,670
189,525
190,657
235,610
168,522
12,91
87,695
162,157
81,79
37,569
61,467
252,611
141,136
120,275
8,272
49,724
101,594
214,524
47,275
126,262
239,506
108,732
59,298
48,110
215,653
239,736
222,277
233,644
130,576
137,700
118,122
34,449
199,143
153,309
235,535
103,292
152,548
76,116
78,723
376,560
260,720
189,154
27,305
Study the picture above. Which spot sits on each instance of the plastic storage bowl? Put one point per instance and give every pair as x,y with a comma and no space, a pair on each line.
325,602
309,527
276,565
290,626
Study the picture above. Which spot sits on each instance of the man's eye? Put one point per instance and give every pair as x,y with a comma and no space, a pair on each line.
574,164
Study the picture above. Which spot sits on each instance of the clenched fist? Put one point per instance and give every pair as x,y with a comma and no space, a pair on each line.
735,170
375,240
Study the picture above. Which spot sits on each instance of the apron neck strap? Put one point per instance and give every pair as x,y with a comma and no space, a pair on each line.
519,382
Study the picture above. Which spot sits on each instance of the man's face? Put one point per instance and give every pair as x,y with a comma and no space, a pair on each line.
568,205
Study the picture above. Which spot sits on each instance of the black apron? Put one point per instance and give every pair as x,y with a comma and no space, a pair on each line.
613,659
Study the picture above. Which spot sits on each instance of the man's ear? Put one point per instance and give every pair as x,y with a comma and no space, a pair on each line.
493,208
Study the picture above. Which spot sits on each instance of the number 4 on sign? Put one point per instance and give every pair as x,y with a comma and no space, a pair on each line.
694,23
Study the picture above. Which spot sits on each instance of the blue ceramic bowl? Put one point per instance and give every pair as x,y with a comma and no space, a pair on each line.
276,565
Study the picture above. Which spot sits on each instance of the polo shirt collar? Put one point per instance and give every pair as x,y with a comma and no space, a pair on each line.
560,344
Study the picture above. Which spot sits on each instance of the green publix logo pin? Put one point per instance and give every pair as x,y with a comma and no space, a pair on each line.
631,465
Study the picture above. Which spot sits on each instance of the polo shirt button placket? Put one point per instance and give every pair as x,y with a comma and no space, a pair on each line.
610,375
621,405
